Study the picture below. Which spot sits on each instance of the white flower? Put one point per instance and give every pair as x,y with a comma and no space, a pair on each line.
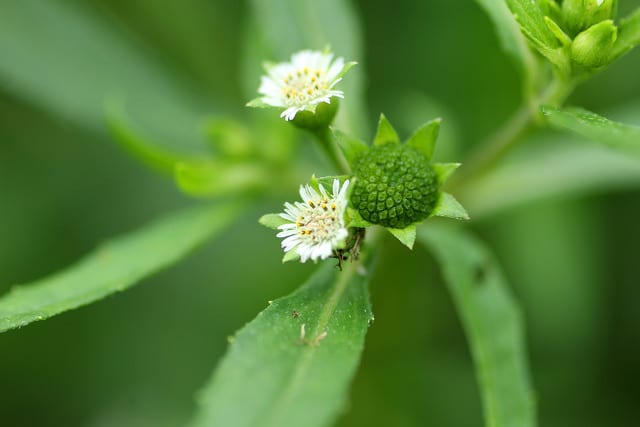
301,84
316,226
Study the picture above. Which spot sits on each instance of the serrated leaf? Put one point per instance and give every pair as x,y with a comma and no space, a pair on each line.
271,378
385,134
492,322
149,153
211,178
628,35
510,36
272,220
444,170
407,235
351,147
625,138
115,265
449,207
424,139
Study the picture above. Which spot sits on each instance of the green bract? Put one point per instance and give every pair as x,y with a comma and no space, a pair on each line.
396,186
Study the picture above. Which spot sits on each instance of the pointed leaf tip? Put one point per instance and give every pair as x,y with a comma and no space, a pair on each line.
444,170
386,134
407,236
449,207
272,220
424,139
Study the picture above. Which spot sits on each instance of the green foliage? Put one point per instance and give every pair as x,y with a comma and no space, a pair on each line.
628,35
492,323
101,63
293,363
549,168
626,138
114,266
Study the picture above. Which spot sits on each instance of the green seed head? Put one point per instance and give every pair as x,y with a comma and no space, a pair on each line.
395,186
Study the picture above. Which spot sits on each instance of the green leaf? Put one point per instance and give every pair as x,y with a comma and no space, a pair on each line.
492,322
510,36
628,35
67,58
272,220
271,378
115,265
549,167
531,21
211,178
385,134
597,128
562,37
150,153
292,255
444,170
449,207
355,219
424,139
351,147
533,26
407,235
278,28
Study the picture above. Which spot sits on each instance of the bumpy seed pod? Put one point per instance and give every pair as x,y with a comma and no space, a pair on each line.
395,186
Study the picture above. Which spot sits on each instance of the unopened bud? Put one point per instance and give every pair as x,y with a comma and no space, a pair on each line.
592,48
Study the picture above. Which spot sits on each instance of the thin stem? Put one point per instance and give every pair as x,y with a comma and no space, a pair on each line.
329,146
522,122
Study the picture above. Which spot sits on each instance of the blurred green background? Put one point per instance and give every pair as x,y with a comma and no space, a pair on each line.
138,358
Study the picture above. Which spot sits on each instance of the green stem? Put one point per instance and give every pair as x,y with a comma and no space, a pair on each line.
522,122
329,146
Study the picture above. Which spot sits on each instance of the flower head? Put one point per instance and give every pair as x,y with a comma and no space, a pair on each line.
315,227
301,84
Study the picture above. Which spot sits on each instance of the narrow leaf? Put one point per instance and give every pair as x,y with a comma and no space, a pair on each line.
597,128
407,236
628,35
385,134
449,207
114,266
293,363
492,322
351,147
424,139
